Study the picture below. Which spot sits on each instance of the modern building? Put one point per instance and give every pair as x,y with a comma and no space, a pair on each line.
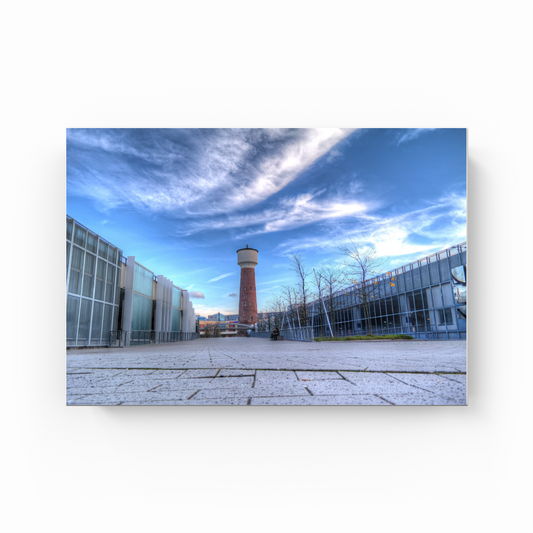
114,301
247,260
425,298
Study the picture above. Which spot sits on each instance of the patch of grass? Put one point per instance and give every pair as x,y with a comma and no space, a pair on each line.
365,338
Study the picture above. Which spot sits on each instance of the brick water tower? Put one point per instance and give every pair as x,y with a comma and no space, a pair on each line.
247,260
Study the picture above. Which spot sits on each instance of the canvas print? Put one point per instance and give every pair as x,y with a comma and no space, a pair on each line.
254,267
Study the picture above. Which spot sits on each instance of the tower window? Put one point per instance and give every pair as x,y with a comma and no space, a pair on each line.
244,304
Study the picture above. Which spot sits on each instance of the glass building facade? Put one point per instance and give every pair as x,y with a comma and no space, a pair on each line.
93,286
114,301
425,299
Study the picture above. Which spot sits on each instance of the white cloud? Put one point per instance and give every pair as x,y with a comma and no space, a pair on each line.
289,213
418,231
412,134
204,171
196,294
222,276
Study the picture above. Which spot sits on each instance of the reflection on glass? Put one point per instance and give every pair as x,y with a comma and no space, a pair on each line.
459,275
461,312
459,291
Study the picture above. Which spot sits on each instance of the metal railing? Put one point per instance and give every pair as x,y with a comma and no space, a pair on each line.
120,339
290,334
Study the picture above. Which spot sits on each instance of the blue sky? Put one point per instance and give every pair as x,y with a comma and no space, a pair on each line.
184,200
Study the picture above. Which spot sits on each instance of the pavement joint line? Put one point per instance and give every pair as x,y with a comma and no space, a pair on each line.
309,391
249,402
253,384
409,384
194,394
434,373
155,388
384,399
125,383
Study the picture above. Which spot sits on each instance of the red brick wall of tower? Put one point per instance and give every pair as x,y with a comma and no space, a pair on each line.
247,297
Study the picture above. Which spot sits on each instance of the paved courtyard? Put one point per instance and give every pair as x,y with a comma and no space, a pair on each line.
251,371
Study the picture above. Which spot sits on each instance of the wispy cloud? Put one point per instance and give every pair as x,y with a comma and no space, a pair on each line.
288,213
433,227
190,172
222,276
232,295
412,134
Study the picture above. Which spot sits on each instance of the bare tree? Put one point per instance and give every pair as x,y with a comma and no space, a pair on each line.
276,307
332,280
362,265
304,287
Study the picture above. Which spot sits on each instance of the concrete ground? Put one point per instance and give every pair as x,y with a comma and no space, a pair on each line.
252,371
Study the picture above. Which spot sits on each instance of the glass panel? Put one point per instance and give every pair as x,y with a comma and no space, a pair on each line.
424,272
106,327
92,242
68,255
455,260
395,304
115,317
419,304
102,249
437,296
112,258
459,292
416,278
447,294
440,317
410,301
85,321
79,236
176,319
401,282
143,281
434,273
142,313
74,285
176,297
88,275
425,298
69,229
117,285
110,284
461,312
73,308
408,282
444,270
421,319
96,329
100,280
459,275
448,316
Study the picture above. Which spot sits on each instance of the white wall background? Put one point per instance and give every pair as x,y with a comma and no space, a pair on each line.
313,63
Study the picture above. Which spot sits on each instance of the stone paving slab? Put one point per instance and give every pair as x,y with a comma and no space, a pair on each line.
360,399
248,371
375,383
419,399
439,385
